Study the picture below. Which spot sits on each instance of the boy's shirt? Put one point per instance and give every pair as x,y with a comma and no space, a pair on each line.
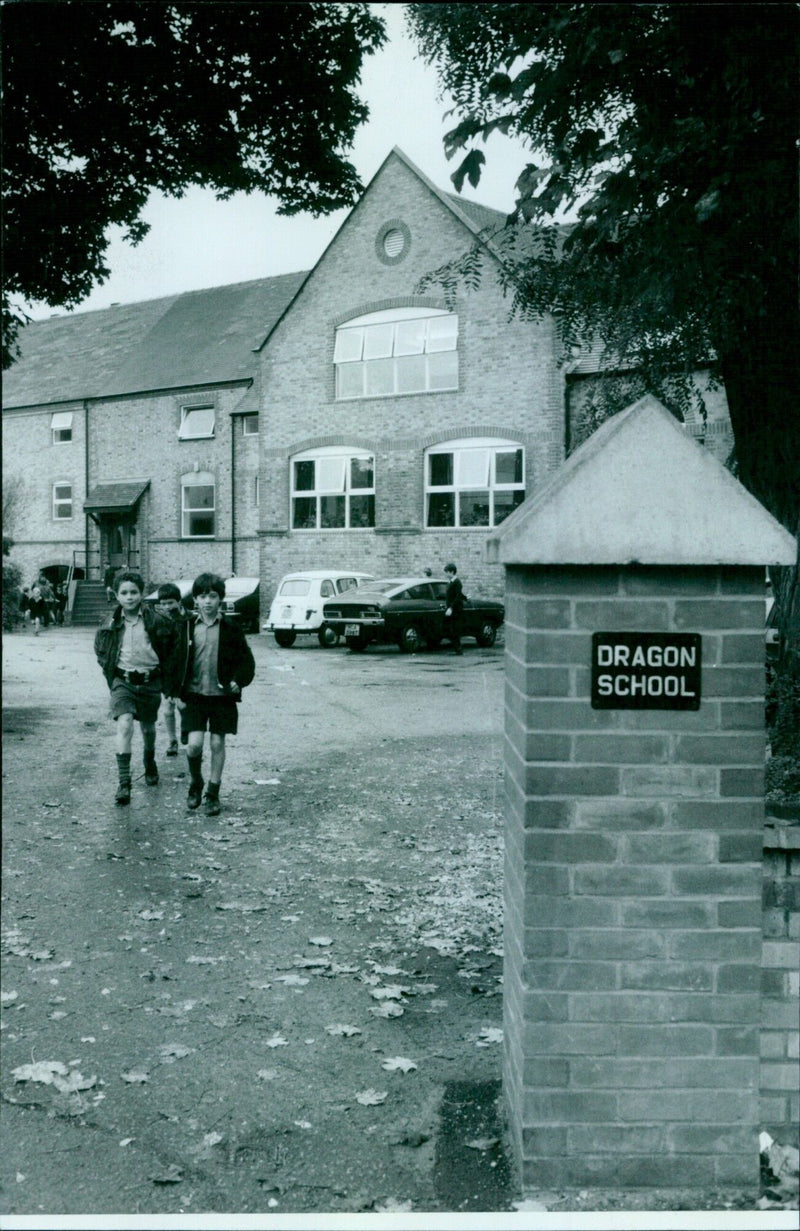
136,652
205,663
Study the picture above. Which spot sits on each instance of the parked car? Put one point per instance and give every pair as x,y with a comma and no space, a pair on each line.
297,606
241,601
408,611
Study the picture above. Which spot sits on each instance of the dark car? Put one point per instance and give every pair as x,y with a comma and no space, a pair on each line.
241,601
408,611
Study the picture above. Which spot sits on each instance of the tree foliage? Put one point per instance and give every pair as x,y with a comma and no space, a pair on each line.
106,102
670,130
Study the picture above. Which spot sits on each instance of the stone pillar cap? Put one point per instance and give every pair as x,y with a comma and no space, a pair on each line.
641,491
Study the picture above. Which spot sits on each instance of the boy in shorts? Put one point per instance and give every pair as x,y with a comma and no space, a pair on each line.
218,665
139,653
169,604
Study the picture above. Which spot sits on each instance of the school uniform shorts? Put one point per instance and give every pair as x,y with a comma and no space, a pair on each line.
141,700
220,715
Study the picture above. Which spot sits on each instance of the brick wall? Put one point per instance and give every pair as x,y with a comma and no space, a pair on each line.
780,1001
509,386
633,887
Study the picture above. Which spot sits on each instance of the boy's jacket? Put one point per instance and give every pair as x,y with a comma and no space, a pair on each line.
234,662
164,636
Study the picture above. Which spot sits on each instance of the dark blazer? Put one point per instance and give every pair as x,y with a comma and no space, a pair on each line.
455,597
162,634
234,662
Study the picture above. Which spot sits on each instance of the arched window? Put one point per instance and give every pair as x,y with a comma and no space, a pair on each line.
396,351
332,488
198,505
474,482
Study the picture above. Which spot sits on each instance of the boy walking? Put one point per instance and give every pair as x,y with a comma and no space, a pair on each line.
169,605
455,608
139,653
218,665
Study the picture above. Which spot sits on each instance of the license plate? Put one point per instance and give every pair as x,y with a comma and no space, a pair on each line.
352,630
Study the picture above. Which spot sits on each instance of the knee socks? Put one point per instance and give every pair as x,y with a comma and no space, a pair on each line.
124,766
194,767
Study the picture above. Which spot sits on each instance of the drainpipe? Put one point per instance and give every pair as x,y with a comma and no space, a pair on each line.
86,482
233,421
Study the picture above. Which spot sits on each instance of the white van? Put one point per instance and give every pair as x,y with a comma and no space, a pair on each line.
297,605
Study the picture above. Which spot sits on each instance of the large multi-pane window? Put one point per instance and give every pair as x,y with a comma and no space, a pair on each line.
198,505
473,482
333,489
62,501
396,351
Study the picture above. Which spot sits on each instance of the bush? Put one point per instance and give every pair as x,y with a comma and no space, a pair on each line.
12,580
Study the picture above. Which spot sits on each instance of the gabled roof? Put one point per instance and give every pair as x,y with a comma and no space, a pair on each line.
641,491
115,497
197,338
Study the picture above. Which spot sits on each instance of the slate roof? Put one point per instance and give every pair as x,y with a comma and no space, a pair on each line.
197,338
115,497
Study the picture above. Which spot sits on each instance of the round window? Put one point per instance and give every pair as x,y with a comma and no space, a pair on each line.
392,242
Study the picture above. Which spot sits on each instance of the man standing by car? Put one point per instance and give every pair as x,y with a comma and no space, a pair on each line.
455,608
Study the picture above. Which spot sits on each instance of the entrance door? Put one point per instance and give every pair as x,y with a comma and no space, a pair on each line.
119,544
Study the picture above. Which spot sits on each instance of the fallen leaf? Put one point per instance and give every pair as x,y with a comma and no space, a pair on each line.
135,1077
387,1009
322,941
400,1063
391,1206
371,1098
267,1074
309,963
394,992
205,961
482,1143
341,1029
7,997
277,1040
172,1175
54,1073
489,1035
259,987
126,1141
387,970
174,1051
302,1123
291,980
244,907
150,914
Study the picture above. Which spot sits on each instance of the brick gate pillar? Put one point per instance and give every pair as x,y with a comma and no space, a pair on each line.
634,759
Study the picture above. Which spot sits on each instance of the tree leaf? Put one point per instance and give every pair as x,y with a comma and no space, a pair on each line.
339,1028
398,1063
371,1098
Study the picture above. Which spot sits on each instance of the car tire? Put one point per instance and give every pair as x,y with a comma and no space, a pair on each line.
357,644
327,636
285,638
487,635
410,639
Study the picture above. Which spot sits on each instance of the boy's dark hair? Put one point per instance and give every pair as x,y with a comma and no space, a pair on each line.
128,574
206,582
168,590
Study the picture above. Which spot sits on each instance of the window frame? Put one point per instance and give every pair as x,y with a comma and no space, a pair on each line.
457,450
381,343
61,422
207,481
246,419
347,454
57,501
188,410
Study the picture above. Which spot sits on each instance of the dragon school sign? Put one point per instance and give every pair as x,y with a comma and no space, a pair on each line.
646,671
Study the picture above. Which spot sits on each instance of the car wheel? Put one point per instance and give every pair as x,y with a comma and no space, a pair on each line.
488,634
327,636
410,639
285,638
358,644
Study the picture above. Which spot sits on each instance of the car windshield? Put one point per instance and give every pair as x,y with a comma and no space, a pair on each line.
378,587
295,587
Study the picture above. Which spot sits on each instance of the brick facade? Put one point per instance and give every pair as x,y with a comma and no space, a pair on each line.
633,887
780,996
509,386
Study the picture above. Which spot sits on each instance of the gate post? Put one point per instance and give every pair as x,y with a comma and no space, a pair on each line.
634,759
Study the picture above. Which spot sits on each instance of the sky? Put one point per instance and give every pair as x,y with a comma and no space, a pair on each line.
198,242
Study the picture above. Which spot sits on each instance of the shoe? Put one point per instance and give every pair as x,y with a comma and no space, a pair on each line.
123,795
172,749
151,773
195,796
212,805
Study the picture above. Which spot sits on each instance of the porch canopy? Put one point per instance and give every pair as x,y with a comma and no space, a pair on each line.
115,497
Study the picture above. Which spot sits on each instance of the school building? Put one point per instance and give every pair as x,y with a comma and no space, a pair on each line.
335,416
